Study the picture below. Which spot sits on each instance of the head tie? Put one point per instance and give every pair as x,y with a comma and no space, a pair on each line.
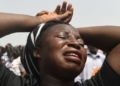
28,60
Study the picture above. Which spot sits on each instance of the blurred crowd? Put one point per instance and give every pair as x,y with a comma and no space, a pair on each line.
10,56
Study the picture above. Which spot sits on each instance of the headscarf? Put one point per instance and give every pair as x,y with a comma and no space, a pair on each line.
29,62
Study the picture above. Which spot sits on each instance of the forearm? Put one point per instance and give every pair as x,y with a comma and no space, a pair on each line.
10,23
102,37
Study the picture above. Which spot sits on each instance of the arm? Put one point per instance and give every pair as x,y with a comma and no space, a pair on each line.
102,37
17,23
106,38
10,23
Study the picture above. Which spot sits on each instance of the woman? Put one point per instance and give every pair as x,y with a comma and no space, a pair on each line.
60,54
55,55
51,42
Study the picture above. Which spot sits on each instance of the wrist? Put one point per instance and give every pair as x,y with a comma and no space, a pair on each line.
40,20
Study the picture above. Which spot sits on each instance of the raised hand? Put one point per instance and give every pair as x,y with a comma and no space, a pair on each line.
64,9
61,14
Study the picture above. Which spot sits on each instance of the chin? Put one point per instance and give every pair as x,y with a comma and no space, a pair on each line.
76,69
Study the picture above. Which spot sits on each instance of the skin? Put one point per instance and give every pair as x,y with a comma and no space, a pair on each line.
11,23
66,39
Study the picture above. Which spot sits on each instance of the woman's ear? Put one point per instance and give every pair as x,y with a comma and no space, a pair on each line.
36,52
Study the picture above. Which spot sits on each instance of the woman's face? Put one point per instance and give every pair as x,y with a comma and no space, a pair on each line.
62,52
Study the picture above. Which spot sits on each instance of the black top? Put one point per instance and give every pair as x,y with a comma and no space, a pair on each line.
105,77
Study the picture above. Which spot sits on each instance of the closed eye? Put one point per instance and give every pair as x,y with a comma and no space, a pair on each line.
62,37
81,42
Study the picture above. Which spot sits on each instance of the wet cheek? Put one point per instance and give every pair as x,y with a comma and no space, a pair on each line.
58,44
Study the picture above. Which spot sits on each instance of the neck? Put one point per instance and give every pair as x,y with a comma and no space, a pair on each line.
51,81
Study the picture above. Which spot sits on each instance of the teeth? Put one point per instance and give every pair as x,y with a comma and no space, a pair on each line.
72,54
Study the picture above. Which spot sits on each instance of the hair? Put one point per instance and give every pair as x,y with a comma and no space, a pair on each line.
2,50
12,52
35,37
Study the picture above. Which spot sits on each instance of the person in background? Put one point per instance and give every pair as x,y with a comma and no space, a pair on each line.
14,63
8,53
19,49
2,51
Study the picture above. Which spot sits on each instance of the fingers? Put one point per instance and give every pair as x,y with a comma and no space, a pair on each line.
57,10
69,6
65,12
65,15
63,9
67,20
71,10
42,12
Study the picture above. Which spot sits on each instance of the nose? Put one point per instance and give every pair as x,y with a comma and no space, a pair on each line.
74,43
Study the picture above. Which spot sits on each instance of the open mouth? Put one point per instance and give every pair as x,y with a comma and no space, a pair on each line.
74,56
71,54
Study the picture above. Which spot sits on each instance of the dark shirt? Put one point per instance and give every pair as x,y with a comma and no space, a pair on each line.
105,77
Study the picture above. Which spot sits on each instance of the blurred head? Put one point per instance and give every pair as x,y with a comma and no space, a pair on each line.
92,49
58,51
19,49
8,48
2,50
11,52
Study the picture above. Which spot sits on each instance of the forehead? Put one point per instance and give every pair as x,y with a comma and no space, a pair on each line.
63,28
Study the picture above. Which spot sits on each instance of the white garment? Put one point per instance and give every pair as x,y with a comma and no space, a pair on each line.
93,63
5,57
15,66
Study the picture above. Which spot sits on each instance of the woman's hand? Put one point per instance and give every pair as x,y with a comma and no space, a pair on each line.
62,14
64,9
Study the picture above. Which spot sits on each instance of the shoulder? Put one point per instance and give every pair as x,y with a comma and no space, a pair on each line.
8,78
